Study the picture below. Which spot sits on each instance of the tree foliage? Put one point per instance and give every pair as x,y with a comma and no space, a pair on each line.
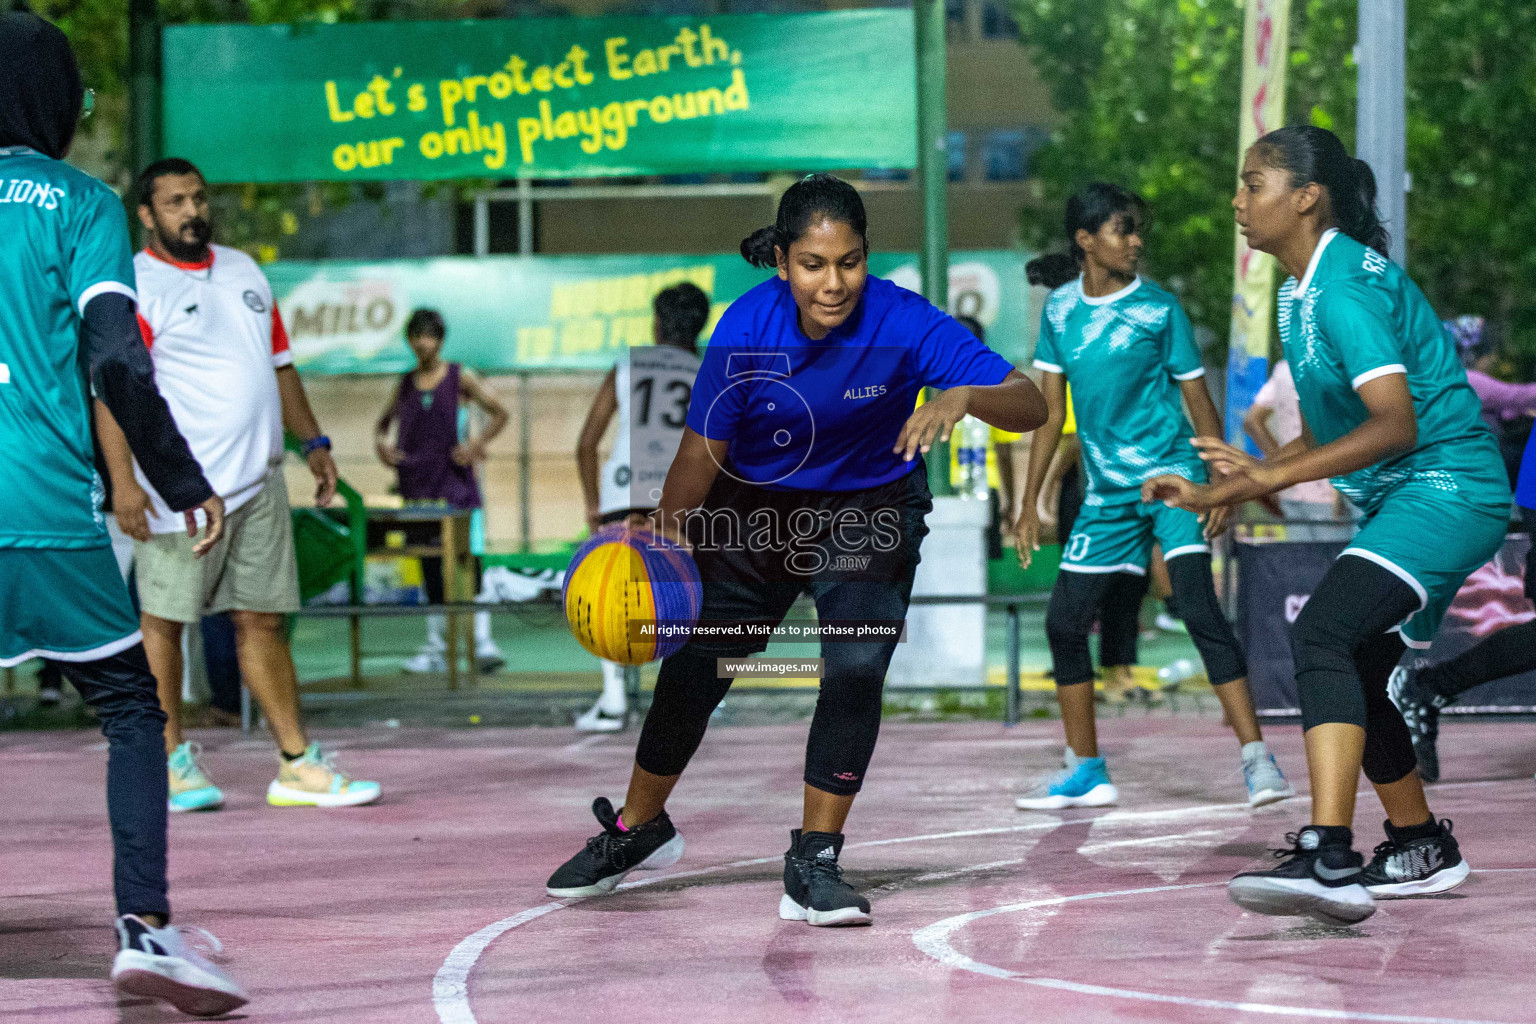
1148,92
254,217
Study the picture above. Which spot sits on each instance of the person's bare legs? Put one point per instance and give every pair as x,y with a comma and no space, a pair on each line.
1404,800
647,796
1077,718
1237,710
162,645
266,666
825,812
1334,754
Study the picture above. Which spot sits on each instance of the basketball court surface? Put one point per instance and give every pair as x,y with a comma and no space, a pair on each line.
429,907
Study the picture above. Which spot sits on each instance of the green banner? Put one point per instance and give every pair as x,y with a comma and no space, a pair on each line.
541,97
508,313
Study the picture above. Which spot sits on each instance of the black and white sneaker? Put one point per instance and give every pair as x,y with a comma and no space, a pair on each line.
814,890
1316,879
1415,865
1420,707
614,853
159,963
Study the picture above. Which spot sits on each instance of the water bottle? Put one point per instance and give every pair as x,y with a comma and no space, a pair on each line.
970,437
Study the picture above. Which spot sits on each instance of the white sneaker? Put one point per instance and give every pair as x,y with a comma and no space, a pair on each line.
425,662
488,658
600,719
160,964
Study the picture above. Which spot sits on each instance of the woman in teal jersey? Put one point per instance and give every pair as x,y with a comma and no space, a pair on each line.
1391,419
1129,353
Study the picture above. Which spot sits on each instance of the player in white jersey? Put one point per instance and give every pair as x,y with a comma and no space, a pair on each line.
221,358
648,388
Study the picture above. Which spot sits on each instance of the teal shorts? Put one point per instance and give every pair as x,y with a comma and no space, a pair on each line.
1118,538
67,604
1432,543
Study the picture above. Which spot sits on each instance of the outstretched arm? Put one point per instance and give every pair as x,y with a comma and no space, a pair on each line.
1391,429
1015,405
693,472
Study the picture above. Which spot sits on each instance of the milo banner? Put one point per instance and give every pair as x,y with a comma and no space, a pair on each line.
541,97
1265,35
509,313
1275,578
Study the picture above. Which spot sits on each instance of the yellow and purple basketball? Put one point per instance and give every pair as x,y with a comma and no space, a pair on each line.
621,581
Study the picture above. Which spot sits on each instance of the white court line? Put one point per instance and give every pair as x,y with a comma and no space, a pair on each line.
934,940
584,743
450,987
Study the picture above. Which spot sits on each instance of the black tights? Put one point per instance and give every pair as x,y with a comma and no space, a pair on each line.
1078,597
1344,656
847,718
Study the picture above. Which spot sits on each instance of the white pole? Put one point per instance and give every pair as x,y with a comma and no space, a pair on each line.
1381,120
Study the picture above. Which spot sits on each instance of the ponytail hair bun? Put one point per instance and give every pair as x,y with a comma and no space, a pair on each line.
1051,271
814,198
758,247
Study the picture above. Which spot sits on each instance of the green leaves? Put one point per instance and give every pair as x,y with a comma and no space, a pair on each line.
1148,92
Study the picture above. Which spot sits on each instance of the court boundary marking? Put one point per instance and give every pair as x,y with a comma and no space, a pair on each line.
933,940
450,985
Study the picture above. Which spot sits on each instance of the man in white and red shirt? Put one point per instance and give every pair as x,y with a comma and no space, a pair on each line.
221,360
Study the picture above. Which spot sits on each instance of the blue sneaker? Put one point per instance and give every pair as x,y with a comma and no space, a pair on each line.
1266,782
190,789
1082,782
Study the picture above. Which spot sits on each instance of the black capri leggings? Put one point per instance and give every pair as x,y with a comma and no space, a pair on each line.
1344,656
1078,597
747,584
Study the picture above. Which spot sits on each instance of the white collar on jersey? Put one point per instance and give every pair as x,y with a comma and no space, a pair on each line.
1317,257
1104,300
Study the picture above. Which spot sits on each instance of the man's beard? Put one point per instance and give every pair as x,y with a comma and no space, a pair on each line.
188,252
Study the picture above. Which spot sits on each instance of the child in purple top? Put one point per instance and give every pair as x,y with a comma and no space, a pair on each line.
435,465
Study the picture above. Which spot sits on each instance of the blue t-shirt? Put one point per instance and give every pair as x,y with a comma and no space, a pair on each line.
824,415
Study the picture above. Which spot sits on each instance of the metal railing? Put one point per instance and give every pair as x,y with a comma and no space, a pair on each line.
1013,694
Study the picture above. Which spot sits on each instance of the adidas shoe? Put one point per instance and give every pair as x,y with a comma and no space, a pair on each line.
814,890
1415,867
1082,782
190,789
615,852
1266,782
159,963
1421,712
1313,879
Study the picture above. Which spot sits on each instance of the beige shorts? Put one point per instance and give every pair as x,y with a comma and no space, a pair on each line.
252,568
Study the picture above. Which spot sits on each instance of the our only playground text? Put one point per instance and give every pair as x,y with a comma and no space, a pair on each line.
599,126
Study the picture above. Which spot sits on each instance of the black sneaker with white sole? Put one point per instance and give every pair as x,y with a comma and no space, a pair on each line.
615,852
1318,876
159,963
1416,862
814,890
1420,707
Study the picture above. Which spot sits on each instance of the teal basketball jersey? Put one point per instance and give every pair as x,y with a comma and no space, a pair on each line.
63,241
1356,316
1124,355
